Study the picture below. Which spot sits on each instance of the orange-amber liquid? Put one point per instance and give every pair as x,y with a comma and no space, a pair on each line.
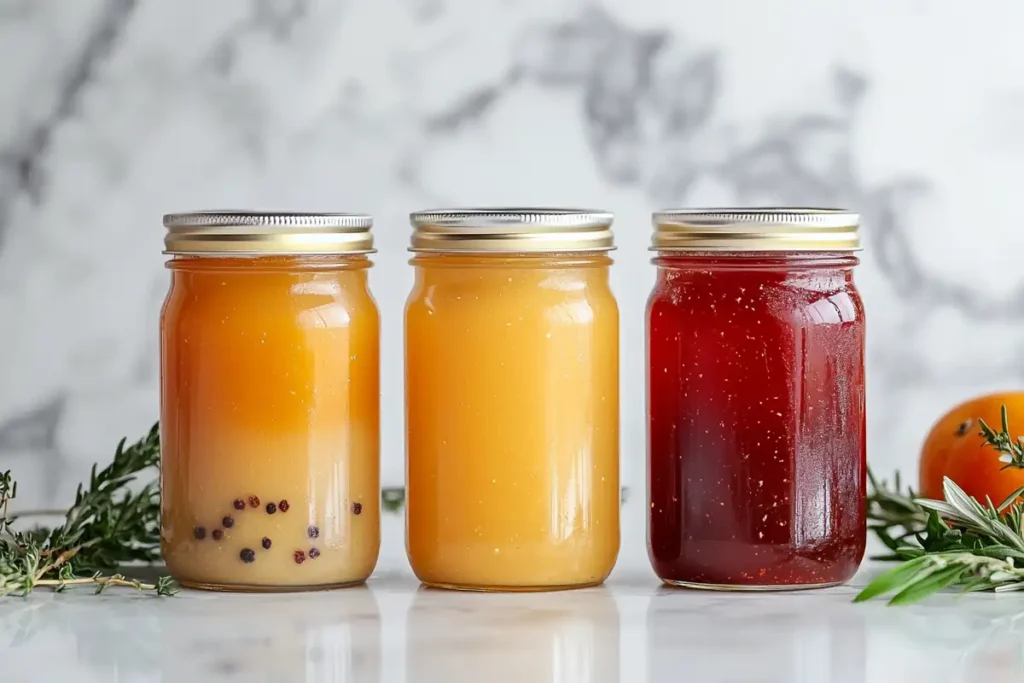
270,390
512,415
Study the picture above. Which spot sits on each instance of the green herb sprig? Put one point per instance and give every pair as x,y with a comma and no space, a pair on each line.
956,542
109,525
1011,451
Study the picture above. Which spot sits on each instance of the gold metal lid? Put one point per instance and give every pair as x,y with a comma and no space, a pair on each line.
266,233
760,229
512,230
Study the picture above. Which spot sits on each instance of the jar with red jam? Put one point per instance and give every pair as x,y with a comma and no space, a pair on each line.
755,399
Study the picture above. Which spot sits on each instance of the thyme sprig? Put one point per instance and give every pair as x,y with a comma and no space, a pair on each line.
108,525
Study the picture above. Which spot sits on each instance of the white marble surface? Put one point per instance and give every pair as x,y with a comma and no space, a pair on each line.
631,630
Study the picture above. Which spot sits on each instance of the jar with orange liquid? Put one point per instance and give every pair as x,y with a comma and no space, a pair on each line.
270,400
512,400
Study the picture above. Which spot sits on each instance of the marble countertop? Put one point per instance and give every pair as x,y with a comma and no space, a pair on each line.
631,630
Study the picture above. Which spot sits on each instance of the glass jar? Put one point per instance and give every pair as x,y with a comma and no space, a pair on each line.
270,402
756,427
512,406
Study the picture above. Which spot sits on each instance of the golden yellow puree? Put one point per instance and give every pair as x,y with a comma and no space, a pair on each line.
512,421
270,403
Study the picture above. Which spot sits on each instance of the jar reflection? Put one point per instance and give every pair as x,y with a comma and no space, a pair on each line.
561,638
327,638
763,639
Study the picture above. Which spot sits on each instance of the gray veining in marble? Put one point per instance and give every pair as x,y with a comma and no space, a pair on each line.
115,111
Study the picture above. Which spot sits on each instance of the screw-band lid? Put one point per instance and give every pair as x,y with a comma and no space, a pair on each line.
756,229
511,230
255,233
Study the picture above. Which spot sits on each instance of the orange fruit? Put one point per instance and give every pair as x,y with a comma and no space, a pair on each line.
955,449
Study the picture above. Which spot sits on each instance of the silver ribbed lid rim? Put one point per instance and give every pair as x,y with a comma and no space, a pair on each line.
284,219
266,233
781,217
512,230
507,217
756,229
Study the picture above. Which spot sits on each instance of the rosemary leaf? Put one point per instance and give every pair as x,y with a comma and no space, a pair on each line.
921,587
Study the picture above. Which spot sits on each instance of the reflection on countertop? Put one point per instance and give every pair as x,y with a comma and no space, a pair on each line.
392,630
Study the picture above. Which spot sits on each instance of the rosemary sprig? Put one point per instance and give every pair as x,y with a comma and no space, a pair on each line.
1011,451
953,542
108,525
976,547
894,516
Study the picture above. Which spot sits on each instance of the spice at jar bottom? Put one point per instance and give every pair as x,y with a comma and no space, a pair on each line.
260,457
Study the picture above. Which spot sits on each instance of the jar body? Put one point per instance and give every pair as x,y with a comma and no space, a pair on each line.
512,421
270,423
756,420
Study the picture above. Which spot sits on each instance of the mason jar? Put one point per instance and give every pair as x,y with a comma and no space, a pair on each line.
755,399
512,405
269,401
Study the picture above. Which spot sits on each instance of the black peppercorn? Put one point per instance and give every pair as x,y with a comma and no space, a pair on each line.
199,533
299,556
357,508
283,506
254,501
239,504
247,555
271,508
227,522
314,553
217,534
313,532
266,543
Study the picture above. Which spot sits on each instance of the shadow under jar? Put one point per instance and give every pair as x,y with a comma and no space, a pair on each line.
512,404
270,402
756,419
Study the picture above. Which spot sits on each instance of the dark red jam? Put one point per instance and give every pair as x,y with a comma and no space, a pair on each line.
756,421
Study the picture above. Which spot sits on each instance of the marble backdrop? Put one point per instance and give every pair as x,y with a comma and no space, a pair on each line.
113,112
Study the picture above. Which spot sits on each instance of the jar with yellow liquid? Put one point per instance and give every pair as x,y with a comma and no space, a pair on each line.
512,400
270,401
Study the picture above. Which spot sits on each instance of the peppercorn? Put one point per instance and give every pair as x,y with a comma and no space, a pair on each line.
199,533
314,553
313,532
227,522
357,508
271,508
239,504
266,543
299,556
254,501
283,506
247,555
